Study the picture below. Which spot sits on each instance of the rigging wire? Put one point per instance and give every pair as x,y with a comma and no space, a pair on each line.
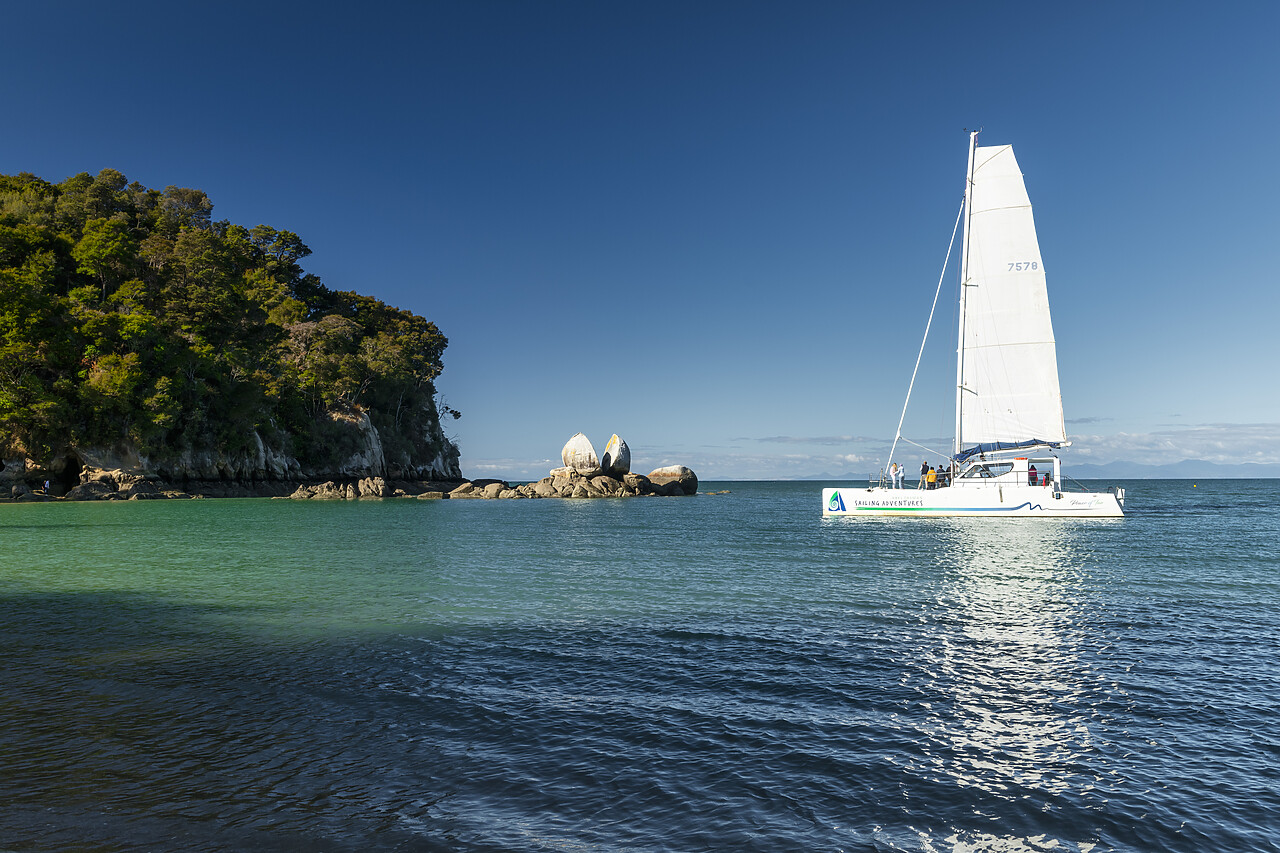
920,355
941,453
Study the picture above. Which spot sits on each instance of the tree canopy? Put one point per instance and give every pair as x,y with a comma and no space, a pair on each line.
129,315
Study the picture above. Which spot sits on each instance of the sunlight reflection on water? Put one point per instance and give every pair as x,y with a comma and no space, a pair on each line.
1019,669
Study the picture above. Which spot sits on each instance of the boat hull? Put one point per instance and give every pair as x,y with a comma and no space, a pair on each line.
1005,500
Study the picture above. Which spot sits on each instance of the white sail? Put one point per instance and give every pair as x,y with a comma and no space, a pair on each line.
1009,367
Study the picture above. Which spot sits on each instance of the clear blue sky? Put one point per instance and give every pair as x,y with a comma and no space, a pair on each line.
715,228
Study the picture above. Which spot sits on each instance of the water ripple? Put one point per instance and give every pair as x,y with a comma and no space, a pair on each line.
540,676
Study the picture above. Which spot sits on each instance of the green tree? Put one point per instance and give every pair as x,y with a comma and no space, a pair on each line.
128,314
184,208
105,251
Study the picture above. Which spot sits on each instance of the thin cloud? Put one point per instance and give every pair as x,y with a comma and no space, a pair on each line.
1181,428
1225,444
829,440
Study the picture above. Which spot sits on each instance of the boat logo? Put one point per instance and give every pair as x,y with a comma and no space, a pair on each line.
836,503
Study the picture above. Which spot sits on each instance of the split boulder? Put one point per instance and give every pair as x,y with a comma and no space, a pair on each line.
616,461
579,455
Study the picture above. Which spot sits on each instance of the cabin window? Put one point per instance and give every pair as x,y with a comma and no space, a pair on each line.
987,470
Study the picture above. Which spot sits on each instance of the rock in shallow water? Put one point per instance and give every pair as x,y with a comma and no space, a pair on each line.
466,490
686,481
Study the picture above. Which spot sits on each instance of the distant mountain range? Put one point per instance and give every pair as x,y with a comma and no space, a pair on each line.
1187,469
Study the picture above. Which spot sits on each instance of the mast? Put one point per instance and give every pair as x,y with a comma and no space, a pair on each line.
964,284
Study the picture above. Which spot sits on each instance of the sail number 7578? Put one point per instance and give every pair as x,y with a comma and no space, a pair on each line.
1020,266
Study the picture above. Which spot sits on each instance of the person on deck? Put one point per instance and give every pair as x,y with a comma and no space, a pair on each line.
924,471
894,473
1031,474
931,479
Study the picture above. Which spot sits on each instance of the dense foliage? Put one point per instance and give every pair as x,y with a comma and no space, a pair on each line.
128,316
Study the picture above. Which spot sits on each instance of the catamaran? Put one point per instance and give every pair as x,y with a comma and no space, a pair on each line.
1009,419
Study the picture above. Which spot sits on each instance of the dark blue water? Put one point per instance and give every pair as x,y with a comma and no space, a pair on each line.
726,672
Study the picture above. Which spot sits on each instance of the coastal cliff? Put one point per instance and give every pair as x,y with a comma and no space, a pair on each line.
266,470
146,347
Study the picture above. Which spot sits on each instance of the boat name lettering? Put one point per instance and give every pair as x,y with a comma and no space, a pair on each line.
882,504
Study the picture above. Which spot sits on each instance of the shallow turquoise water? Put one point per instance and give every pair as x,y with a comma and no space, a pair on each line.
725,672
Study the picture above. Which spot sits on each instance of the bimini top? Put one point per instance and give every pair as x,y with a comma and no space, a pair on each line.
996,446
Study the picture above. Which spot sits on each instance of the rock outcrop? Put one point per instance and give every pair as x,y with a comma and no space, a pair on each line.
616,461
568,483
583,476
676,475
579,455
562,483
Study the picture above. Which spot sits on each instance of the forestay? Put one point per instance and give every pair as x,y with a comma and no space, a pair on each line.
1010,390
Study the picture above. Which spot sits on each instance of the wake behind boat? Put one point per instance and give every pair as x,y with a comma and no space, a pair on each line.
1009,416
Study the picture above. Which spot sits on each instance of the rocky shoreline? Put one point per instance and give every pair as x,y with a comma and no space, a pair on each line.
676,481
669,482
120,486
582,476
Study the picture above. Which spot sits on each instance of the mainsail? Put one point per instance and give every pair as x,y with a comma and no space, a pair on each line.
1009,393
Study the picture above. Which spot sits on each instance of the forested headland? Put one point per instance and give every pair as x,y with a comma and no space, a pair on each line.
135,328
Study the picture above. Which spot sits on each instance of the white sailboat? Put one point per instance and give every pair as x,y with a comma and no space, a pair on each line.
1008,404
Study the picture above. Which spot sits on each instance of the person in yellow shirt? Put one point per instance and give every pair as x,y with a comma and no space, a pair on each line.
931,479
